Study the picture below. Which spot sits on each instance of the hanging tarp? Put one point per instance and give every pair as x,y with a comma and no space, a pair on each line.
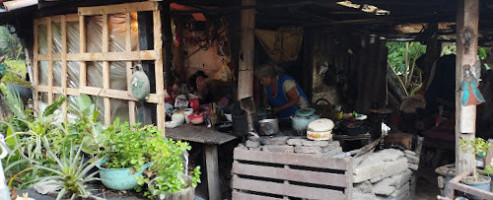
281,45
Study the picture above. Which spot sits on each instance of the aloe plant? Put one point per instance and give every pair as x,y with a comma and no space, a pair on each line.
71,172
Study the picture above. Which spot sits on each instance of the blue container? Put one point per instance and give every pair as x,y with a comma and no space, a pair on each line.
482,185
119,179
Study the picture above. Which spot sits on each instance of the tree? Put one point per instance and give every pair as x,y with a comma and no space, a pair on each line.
10,44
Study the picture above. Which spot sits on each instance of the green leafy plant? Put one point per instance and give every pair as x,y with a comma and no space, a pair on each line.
70,171
127,146
12,78
402,58
488,170
168,171
475,146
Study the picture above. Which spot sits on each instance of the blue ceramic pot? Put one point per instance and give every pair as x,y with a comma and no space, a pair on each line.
119,179
483,184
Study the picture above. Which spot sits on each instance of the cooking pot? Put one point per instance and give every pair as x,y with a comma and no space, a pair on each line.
302,118
268,126
320,129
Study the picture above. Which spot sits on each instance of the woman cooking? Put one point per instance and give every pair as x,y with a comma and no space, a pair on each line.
282,92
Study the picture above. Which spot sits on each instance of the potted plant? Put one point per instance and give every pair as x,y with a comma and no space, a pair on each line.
126,154
66,171
168,176
476,146
15,82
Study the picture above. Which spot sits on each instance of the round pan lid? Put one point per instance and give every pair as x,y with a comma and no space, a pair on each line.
305,112
320,125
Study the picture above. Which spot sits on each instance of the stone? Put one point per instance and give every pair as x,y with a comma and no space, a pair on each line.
295,142
402,178
308,150
364,187
332,145
411,153
332,153
278,148
401,191
252,144
267,140
256,148
310,143
363,196
384,187
379,165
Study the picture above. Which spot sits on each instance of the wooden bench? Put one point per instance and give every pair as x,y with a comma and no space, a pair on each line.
263,175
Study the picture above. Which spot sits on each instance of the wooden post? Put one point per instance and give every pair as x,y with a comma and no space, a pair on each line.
467,50
128,48
245,73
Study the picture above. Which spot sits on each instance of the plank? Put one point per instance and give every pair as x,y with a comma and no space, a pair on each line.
245,74
158,65
128,48
106,56
199,134
305,176
245,196
465,116
106,70
68,18
115,94
82,43
212,171
49,39
63,22
119,8
287,190
35,64
315,161
114,56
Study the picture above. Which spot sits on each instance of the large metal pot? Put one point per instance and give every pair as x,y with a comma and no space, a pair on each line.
268,126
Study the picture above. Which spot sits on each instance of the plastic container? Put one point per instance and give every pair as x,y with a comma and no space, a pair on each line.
187,112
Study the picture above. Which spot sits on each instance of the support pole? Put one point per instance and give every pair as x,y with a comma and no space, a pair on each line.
245,73
467,50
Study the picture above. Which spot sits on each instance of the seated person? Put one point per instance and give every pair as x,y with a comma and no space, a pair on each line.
282,92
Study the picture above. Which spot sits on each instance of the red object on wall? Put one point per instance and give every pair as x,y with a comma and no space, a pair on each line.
194,104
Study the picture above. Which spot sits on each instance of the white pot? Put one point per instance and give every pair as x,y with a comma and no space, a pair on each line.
178,117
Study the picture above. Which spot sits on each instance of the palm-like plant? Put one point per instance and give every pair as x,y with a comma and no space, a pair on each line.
71,172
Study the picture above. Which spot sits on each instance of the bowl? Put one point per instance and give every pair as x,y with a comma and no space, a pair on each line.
196,118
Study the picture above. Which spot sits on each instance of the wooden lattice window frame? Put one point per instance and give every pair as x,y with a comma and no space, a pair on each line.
105,57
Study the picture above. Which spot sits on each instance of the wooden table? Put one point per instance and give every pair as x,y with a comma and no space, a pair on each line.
211,139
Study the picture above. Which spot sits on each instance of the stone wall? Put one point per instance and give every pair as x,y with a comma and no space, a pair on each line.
383,175
287,144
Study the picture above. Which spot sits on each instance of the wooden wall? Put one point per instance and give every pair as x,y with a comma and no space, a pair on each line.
359,59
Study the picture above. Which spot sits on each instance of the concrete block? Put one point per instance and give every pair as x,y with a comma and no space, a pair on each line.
311,143
252,144
267,140
295,142
402,178
364,187
308,150
363,196
333,152
278,148
377,169
401,191
332,145
384,187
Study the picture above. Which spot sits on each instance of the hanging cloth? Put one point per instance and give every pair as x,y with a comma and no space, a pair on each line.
281,45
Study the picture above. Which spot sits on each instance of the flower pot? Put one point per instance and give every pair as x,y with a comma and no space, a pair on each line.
119,179
24,92
184,194
482,183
